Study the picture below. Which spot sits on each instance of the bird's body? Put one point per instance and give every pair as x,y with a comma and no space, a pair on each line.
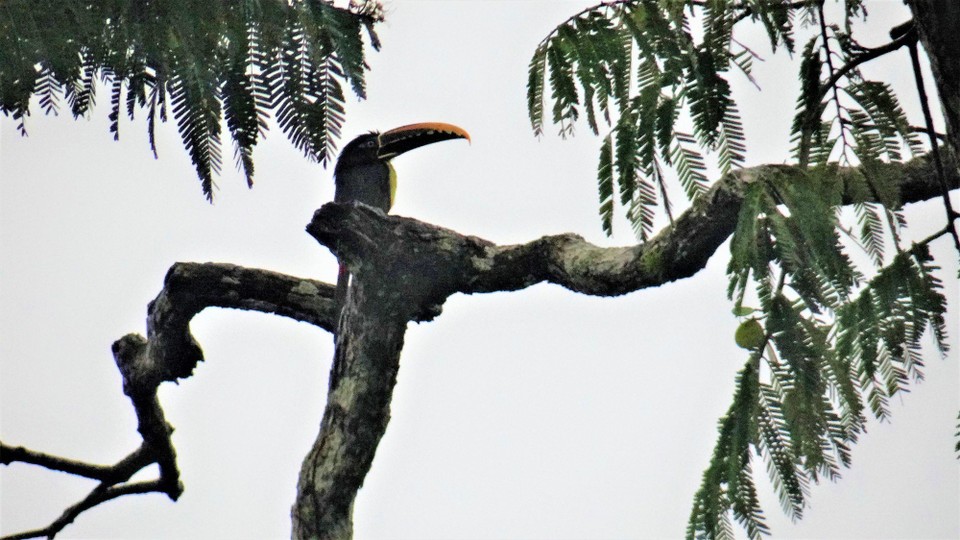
360,176
364,174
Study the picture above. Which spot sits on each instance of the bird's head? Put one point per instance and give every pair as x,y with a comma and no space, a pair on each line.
382,147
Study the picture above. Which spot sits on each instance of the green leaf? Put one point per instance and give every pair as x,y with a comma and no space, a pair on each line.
535,97
806,129
243,115
196,108
605,184
750,335
870,219
883,118
727,486
957,435
691,168
562,85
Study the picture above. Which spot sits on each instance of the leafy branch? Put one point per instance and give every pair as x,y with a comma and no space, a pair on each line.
234,61
800,399
635,69
835,342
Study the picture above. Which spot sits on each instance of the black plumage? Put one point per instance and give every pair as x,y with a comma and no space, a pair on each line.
363,173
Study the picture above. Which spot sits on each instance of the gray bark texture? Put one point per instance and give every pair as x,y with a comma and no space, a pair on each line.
167,354
404,270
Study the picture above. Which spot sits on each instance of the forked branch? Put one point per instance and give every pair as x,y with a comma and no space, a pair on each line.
169,353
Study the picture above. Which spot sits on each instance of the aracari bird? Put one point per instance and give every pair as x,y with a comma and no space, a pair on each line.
364,173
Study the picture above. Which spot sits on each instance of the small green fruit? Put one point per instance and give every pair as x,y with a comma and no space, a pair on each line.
750,334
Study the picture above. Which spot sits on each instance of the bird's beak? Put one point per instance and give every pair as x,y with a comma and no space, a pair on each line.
405,138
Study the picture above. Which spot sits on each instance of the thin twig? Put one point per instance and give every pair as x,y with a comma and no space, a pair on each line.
934,236
866,56
752,54
12,454
917,129
928,119
100,494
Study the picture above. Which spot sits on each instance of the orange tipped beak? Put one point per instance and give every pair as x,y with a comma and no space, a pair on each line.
406,138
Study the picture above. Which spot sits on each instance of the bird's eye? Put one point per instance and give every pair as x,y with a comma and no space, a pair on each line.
369,144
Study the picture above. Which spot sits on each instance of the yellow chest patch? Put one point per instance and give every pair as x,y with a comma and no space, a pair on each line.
393,183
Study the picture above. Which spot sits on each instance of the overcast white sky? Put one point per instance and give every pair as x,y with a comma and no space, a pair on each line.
535,414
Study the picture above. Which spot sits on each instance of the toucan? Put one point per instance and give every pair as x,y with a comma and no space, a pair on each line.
364,173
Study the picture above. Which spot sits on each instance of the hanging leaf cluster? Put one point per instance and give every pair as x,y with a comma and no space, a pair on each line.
205,63
836,341
835,346
843,117
635,72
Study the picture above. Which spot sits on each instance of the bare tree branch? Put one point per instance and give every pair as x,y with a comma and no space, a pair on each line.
10,454
168,353
902,39
100,494
191,287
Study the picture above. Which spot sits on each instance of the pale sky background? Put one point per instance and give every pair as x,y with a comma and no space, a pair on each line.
534,414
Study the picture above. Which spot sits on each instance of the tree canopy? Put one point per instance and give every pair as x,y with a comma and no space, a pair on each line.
235,62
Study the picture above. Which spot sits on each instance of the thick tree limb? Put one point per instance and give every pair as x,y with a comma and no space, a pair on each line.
362,379
190,287
404,270
434,263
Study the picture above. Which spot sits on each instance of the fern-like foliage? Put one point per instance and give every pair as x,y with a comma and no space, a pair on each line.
235,62
728,481
836,345
844,117
634,69
840,340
